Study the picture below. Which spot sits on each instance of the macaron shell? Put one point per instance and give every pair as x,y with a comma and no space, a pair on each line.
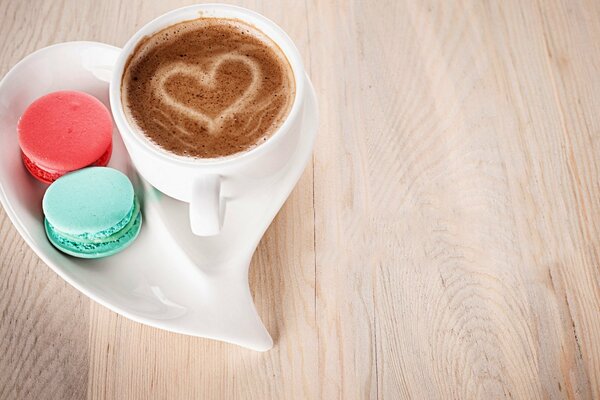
88,201
65,131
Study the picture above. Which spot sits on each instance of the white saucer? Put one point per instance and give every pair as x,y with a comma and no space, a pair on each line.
168,278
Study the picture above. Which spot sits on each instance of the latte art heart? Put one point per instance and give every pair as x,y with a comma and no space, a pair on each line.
209,80
207,88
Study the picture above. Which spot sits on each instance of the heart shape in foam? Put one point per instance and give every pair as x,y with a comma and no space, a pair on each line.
207,79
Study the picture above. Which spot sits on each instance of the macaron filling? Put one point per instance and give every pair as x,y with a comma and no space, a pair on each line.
111,234
48,175
93,242
45,175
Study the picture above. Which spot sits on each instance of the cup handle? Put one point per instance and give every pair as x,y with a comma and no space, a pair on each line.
206,206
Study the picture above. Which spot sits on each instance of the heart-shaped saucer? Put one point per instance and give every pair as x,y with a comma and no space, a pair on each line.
169,278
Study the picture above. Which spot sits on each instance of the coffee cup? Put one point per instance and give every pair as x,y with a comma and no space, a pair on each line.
209,184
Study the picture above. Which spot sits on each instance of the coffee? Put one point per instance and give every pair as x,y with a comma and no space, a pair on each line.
207,88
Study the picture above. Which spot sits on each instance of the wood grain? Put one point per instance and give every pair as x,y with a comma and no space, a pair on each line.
43,326
442,244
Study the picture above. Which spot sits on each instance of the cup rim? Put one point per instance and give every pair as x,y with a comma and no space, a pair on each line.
289,50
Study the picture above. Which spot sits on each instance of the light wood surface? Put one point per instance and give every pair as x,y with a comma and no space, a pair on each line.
444,242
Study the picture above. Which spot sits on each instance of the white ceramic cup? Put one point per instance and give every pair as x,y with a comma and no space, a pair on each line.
208,184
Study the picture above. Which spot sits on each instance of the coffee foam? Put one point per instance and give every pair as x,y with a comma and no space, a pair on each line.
207,88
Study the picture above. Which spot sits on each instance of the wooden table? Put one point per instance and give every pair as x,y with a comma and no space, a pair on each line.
443,243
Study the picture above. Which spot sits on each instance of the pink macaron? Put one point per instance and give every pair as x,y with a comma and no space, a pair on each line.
63,132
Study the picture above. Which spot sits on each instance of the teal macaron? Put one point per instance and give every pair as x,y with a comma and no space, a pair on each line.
92,213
